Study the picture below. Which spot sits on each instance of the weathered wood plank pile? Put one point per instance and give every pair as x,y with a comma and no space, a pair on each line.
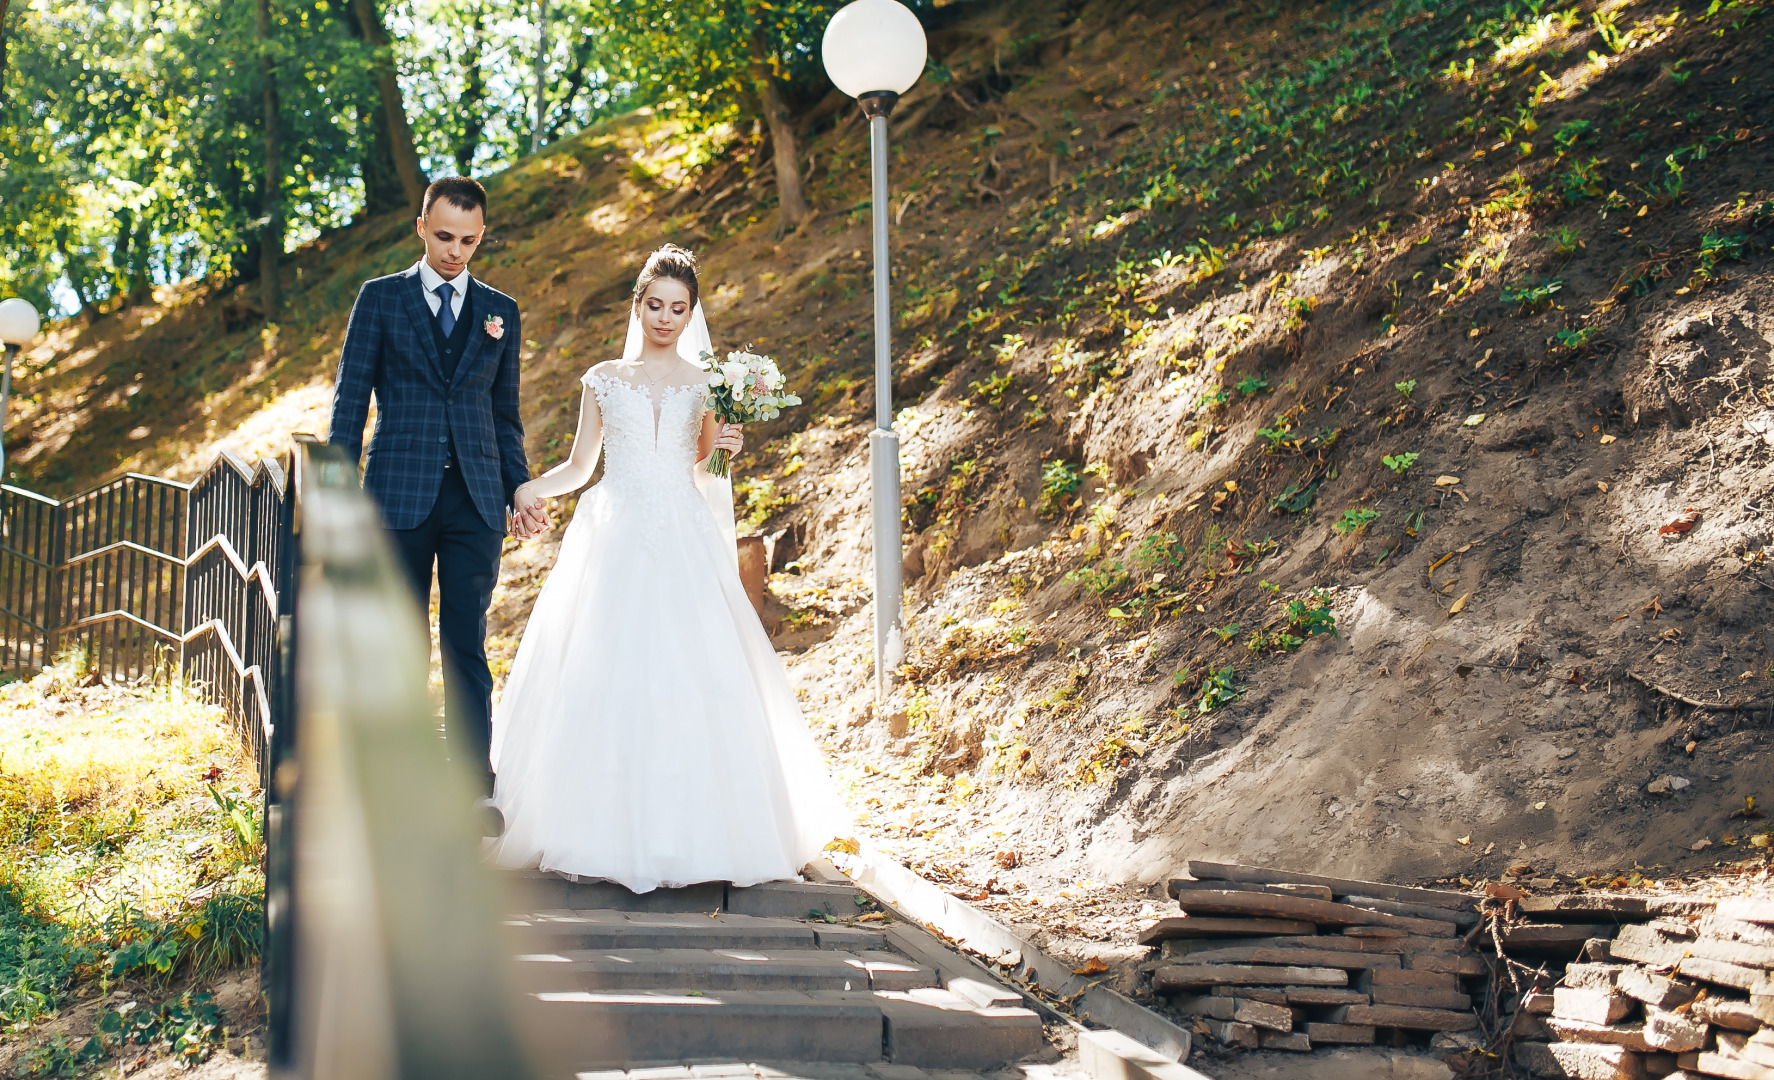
1651,987
1268,959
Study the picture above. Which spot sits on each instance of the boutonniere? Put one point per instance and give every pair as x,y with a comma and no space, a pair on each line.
495,327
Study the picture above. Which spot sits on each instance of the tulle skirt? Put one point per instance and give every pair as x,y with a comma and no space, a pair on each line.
647,733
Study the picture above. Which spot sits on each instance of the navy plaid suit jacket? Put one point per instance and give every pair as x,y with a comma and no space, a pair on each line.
389,350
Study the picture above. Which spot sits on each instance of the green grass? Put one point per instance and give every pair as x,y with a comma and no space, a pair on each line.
129,841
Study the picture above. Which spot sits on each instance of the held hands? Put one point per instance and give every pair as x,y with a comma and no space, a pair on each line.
731,438
529,513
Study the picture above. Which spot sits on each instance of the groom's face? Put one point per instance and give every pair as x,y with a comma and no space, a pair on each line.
451,234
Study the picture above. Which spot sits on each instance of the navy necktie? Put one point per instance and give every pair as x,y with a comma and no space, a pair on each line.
446,315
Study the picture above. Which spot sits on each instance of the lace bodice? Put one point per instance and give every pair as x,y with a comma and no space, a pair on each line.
648,441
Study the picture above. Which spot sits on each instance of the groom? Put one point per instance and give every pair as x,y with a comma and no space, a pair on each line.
440,352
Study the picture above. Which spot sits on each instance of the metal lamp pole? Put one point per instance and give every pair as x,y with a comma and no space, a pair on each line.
884,441
874,50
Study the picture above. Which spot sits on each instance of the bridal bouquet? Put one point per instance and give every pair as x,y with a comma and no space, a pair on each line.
744,389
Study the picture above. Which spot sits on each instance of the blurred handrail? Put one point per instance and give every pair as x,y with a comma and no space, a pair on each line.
385,956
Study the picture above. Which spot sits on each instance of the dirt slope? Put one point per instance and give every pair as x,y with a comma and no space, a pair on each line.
1175,280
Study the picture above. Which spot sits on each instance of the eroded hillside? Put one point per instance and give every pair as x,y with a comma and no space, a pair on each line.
1335,437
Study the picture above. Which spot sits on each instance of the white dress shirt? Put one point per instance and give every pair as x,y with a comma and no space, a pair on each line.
431,279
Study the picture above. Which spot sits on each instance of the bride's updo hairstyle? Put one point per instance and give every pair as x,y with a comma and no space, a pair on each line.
670,261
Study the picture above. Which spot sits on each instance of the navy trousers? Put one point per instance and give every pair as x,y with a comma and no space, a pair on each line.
465,551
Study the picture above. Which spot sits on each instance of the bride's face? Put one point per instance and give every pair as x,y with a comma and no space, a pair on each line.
665,311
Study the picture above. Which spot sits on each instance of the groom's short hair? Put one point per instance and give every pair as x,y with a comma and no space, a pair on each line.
458,191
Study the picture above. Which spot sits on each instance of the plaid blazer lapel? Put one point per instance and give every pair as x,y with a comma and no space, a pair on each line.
477,336
412,295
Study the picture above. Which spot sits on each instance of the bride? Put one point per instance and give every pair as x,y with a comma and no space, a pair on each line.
647,734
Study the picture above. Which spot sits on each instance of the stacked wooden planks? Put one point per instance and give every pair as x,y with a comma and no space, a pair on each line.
1267,958
1661,987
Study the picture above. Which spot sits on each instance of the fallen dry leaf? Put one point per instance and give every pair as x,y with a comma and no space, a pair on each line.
873,916
1606,439
1446,481
1601,486
1006,860
1460,604
1700,845
1465,840
1540,806
1654,607
1474,420
1096,965
1490,847
1690,516
1496,890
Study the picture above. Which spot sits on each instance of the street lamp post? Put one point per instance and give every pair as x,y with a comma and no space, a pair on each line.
874,51
18,325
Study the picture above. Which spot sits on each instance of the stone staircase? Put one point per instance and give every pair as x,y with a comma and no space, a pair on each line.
718,981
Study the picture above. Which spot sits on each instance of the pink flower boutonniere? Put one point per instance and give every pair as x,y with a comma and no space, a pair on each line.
495,327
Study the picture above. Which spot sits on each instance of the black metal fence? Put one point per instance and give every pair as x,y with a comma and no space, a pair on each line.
147,575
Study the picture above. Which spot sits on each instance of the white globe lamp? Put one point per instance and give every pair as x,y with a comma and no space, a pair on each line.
874,50
19,323
874,46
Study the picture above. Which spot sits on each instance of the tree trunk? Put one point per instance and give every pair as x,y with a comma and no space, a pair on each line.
792,204
76,280
271,180
3,6
141,285
120,275
400,134
541,73
474,96
382,191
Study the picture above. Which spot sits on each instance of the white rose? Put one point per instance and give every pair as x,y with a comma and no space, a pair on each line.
734,373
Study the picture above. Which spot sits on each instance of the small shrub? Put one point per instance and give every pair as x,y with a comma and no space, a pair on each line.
1226,632
1216,396
1399,463
1565,240
1533,294
1218,688
1160,550
1277,436
1059,479
1575,340
992,389
1293,499
1568,134
1405,387
1251,385
1581,180
1312,615
1715,249
1354,520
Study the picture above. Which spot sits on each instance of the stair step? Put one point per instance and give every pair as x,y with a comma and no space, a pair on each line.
603,930
921,1027
721,969
776,1070
774,899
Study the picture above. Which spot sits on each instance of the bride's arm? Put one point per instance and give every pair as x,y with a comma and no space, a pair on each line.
575,472
718,436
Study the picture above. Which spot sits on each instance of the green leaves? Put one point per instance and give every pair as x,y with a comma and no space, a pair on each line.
1533,294
1354,520
1399,463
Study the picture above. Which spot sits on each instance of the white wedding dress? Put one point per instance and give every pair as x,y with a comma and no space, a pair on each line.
647,733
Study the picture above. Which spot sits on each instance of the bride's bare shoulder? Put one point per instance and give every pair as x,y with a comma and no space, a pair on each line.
614,368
